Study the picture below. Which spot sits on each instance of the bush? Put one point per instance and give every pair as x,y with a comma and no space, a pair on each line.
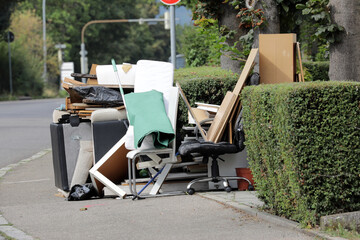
317,70
303,144
202,84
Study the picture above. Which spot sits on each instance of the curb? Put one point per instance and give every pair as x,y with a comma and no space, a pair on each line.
6,228
253,211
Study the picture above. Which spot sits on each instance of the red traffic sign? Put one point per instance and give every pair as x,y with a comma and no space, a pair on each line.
170,2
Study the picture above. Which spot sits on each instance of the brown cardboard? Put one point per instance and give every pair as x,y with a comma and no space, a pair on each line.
277,58
217,127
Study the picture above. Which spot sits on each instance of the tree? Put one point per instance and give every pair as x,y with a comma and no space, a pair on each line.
126,42
345,55
6,8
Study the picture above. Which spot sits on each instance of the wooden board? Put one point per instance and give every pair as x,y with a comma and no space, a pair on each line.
217,127
200,114
245,72
73,82
221,118
277,58
92,81
197,122
302,79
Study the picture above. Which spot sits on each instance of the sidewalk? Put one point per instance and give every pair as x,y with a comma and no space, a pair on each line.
29,201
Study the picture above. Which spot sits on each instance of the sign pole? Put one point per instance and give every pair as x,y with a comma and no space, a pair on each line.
172,4
10,70
172,35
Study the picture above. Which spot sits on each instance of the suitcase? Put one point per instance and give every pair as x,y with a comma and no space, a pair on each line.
106,134
65,143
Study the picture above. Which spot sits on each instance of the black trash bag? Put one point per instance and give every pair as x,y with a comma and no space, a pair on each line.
253,80
100,95
81,192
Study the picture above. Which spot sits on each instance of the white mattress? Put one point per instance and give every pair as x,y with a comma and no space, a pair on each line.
153,75
106,75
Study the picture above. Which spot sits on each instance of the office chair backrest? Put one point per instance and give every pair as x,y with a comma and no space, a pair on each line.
239,134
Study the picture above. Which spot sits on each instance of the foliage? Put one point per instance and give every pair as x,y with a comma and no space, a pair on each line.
318,14
340,231
317,70
250,18
126,42
202,84
27,56
303,145
309,19
6,8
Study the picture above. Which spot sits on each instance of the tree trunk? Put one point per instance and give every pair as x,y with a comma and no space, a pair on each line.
272,24
345,55
228,19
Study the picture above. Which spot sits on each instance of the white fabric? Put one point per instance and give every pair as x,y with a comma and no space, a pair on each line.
108,114
106,76
147,143
83,164
153,75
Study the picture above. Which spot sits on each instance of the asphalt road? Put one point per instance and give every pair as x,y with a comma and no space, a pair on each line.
24,128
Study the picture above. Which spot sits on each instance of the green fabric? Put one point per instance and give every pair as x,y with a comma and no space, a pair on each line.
146,112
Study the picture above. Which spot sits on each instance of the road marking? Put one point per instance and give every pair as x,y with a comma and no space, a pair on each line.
28,181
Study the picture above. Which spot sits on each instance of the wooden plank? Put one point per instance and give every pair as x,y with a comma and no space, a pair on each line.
197,122
277,58
92,81
245,72
300,62
72,81
199,113
217,127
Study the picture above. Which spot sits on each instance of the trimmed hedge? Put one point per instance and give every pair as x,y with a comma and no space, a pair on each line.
303,145
317,70
202,84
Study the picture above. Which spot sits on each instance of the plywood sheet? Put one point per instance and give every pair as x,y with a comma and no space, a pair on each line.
277,58
92,81
217,127
245,72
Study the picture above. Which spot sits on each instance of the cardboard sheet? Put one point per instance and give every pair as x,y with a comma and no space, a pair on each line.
277,58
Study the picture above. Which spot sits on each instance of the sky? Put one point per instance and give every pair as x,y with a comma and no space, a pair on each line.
183,16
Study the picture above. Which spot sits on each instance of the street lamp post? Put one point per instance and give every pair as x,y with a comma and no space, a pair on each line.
83,52
44,40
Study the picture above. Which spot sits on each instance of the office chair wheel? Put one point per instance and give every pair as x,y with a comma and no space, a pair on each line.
190,191
251,187
228,189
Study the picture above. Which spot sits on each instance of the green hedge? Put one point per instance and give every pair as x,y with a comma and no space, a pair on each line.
317,70
202,84
303,145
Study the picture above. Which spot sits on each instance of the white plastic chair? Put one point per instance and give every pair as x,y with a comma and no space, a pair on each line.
171,97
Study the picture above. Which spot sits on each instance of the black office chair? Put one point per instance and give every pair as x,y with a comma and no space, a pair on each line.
214,150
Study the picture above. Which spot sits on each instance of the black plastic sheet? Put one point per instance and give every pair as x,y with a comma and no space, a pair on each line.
100,95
